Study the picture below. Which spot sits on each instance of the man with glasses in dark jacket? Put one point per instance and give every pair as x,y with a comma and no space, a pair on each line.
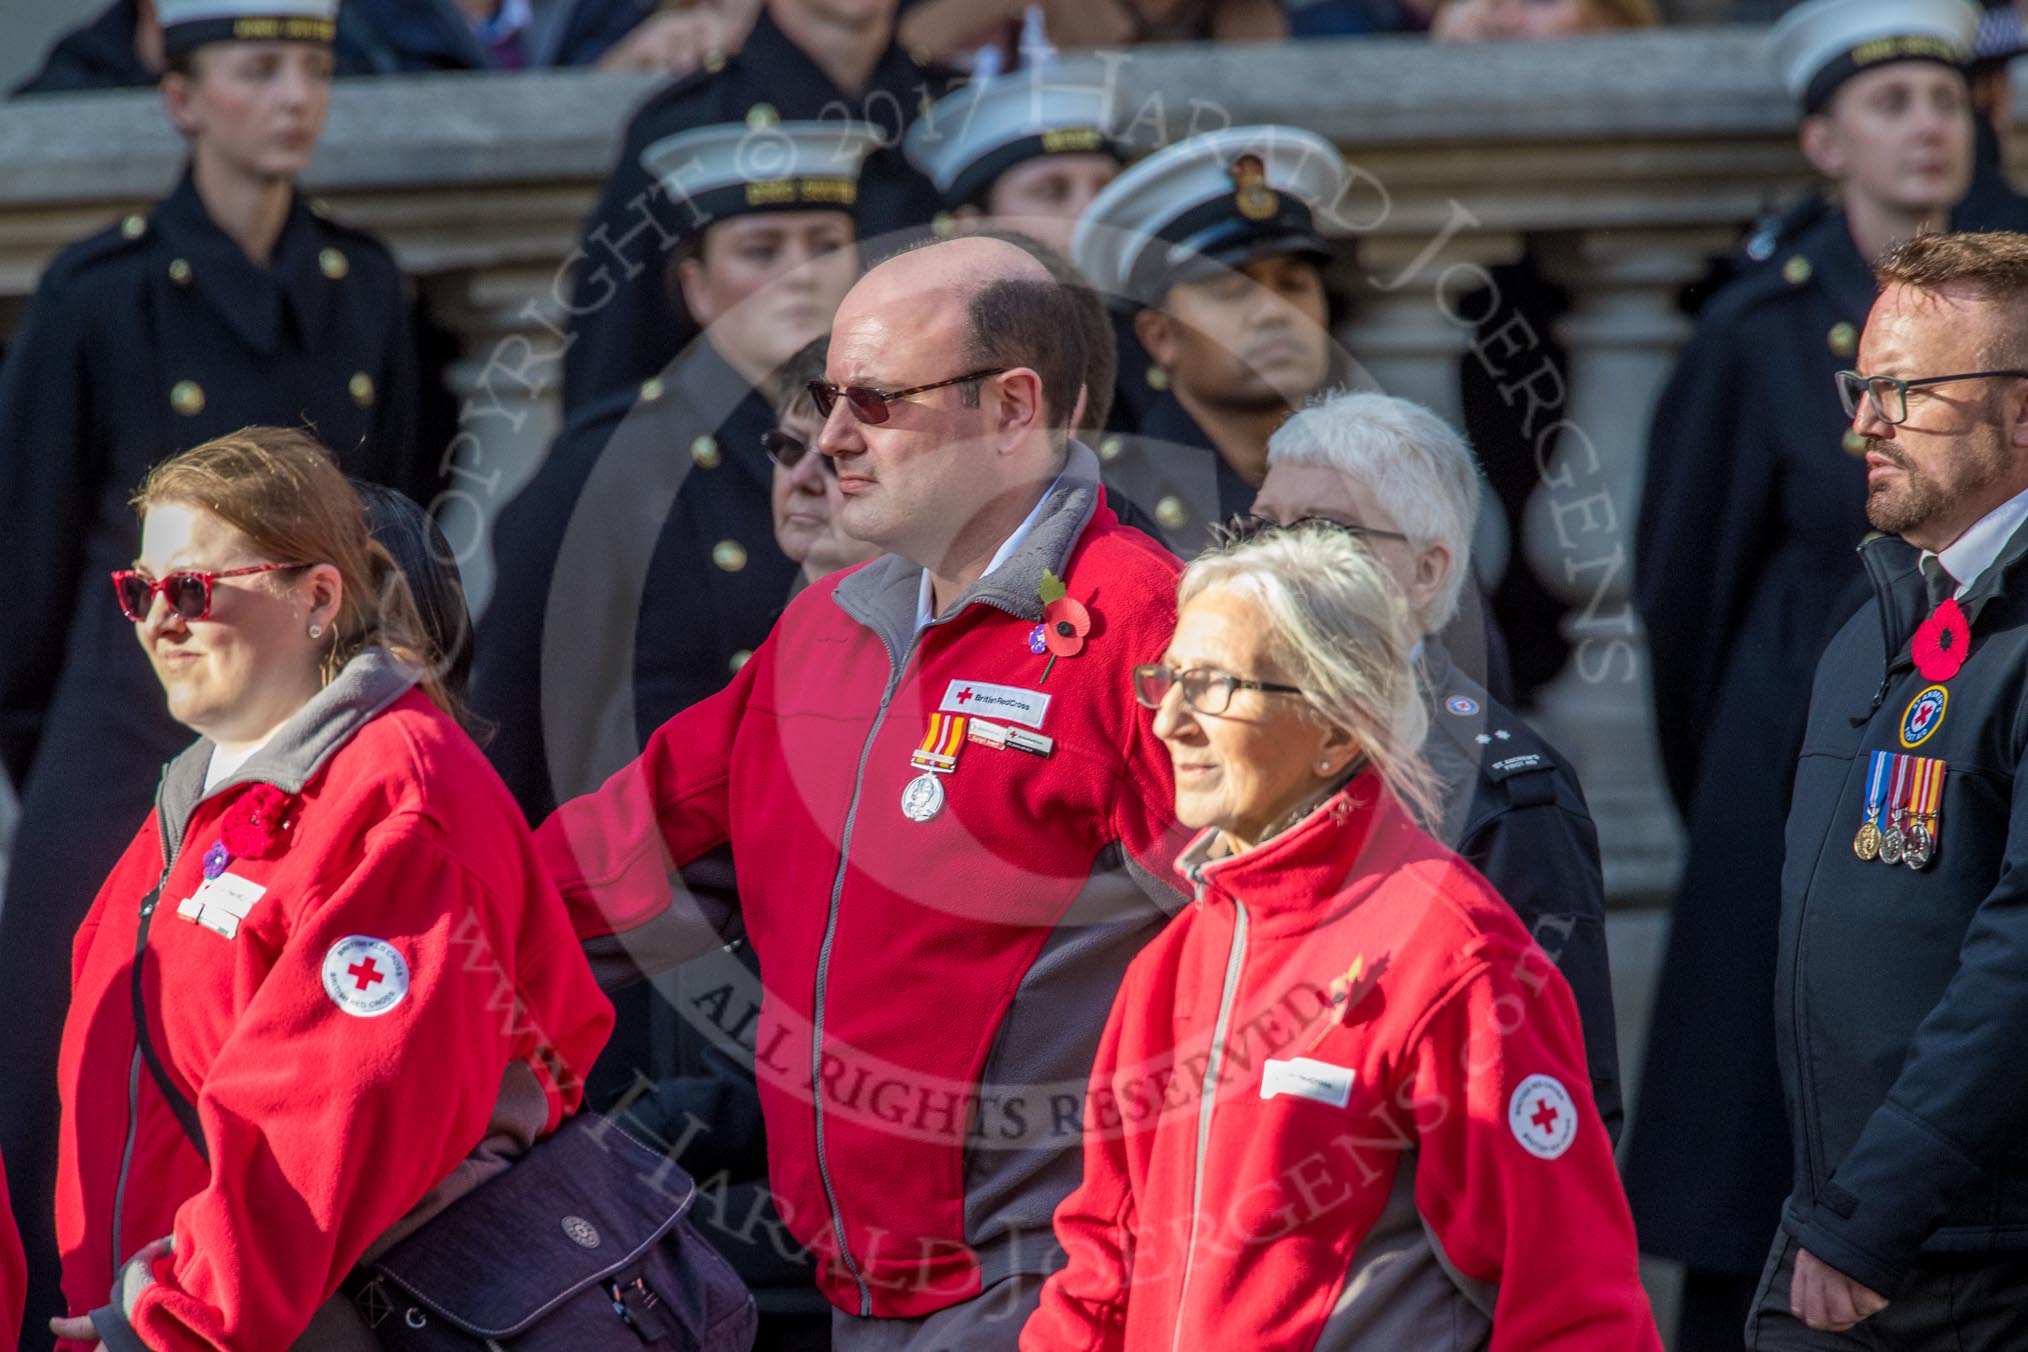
1901,980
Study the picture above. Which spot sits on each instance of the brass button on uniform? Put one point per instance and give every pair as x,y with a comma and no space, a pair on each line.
1843,338
739,660
762,115
320,208
361,389
704,453
333,263
134,226
1158,379
1109,449
187,398
1797,270
729,555
651,390
179,271
1855,442
1171,512
714,61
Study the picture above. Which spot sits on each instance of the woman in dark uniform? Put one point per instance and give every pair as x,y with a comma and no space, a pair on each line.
230,302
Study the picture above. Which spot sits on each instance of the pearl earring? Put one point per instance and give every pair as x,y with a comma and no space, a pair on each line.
316,631
1324,765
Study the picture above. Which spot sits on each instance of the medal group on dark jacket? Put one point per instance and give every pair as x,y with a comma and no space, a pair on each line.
637,571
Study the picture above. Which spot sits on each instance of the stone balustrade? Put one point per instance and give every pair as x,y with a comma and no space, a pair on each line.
1620,162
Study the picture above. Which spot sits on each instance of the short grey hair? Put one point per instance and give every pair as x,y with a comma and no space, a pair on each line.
1419,468
1342,631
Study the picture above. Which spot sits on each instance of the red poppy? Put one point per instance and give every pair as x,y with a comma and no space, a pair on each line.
1941,642
1064,624
254,826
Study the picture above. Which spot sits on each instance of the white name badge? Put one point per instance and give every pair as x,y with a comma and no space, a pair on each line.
1310,1079
1009,702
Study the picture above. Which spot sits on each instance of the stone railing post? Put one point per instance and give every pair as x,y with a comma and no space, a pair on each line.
1622,334
507,382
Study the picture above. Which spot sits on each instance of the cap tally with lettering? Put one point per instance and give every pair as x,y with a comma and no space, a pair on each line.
1819,45
967,139
189,24
735,169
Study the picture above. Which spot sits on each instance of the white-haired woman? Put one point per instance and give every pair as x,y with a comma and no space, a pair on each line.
1331,1106
1398,476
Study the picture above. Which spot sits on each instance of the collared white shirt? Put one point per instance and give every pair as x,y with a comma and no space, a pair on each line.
925,599
1974,552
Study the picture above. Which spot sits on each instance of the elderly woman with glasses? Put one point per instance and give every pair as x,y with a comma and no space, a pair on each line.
286,1044
1339,1102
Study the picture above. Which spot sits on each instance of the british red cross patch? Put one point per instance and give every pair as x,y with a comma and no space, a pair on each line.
1543,1116
364,976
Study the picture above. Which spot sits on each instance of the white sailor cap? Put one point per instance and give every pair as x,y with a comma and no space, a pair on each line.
188,24
1820,44
736,168
967,139
1215,200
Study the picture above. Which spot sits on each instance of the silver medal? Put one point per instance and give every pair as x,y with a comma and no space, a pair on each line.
1921,847
923,798
1892,843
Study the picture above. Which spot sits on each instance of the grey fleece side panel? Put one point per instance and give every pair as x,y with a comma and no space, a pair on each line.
1401,1292
1026,1152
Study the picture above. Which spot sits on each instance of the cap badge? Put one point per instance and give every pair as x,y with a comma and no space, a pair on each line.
1254,198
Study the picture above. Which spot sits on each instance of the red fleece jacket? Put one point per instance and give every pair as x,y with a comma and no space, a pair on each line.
400,949
1341,1104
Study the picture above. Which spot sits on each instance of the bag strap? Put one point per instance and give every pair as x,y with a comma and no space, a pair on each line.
186,1112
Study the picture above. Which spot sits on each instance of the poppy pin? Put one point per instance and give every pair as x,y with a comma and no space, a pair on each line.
1941,642
1064,623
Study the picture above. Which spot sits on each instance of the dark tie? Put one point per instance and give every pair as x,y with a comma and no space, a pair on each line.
1937,580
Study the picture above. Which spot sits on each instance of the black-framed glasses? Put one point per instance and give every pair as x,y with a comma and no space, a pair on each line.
870,405
1247,526
1206,690
786,450
1889,396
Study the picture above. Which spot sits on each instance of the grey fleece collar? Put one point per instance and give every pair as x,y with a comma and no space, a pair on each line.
367,684
882,595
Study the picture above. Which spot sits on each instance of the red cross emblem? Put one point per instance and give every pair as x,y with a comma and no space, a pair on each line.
1545,1116
364,973
965,695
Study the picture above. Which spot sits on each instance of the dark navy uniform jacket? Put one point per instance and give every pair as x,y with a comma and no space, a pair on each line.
1512,807
1168,468
98,55
1901,995
145,340
627,320
636,571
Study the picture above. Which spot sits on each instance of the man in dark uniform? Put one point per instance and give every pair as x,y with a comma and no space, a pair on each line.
230,302
1392,472
1745,544
1901,989
1026,152
804,60
1214,243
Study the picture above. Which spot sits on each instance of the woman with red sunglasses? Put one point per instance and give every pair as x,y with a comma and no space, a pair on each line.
233,301
285,1044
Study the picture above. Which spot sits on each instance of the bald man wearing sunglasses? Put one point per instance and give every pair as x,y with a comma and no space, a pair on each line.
943,809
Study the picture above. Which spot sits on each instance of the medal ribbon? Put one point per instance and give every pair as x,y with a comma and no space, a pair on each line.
941,744
1876,786
1932,790
1897,798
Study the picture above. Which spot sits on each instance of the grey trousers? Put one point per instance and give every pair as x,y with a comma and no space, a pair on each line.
1973,1302
989,1322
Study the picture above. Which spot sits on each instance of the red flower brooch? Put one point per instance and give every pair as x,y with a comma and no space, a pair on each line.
1064,623
1941,642
255,826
